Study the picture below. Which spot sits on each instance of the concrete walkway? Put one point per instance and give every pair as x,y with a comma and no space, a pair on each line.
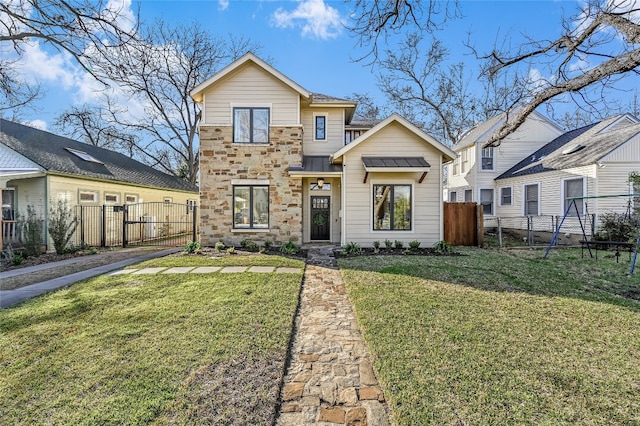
15,296
330,379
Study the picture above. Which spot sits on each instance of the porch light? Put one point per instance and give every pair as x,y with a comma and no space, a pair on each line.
320,183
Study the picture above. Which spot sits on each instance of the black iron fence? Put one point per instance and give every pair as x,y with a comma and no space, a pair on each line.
158,223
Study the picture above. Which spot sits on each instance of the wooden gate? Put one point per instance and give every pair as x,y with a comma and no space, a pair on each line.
463,224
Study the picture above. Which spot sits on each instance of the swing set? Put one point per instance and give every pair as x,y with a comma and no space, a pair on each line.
586,241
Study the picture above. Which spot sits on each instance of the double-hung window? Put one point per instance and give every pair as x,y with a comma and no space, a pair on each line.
392,207
251,207
468,195
486,199
505,196
487,158
531,200
574,188
250,125
320,126
453,196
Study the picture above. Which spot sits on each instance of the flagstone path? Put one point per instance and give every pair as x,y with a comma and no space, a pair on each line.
330,378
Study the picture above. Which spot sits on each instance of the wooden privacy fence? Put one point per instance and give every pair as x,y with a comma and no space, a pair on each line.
463,224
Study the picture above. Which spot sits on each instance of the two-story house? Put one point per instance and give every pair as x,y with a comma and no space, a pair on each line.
471,176
281,163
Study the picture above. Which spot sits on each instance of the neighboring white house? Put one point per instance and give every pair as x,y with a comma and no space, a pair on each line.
594,160
471,176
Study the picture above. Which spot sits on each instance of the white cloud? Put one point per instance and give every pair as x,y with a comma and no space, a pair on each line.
223,4
536,81
38,124
120,12
39,66
316,19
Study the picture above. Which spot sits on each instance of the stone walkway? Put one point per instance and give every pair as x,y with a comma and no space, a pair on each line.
330,378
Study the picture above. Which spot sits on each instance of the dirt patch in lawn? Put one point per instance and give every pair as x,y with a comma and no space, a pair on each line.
81,262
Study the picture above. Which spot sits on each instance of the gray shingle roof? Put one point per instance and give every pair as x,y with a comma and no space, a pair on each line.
51,152
590,146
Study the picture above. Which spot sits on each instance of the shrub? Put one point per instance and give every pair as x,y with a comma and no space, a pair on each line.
192,247
33,233
267,244
17,259
244,243
376,245
290,248
414,245
352,248
388,244
219,246
618,227
442,247
62,224
398,244
231,250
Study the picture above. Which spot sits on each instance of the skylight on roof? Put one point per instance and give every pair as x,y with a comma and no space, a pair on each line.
84,156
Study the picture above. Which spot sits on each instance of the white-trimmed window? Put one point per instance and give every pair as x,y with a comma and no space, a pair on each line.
391,207
487,158
167,200
468,195
131,198
531,199
87,197
251,207
464,161
506,196
251,125
111,198
453,196
572,188
320,127
486,199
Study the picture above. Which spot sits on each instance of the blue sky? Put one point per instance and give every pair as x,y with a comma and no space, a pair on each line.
306,40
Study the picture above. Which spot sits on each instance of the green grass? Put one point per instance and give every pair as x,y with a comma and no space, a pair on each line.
500,338
178,349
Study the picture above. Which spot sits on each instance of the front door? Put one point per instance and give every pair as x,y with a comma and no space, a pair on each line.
320,218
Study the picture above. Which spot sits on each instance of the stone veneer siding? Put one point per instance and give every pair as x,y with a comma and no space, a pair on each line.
221,161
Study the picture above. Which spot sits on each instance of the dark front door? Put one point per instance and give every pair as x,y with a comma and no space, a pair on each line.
320,218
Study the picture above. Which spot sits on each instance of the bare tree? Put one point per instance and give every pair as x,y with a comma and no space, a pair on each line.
367,109
86,123
421,83
75,26
376,19
149,95
586,63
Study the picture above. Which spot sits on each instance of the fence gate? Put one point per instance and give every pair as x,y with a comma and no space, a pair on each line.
149,224
463,224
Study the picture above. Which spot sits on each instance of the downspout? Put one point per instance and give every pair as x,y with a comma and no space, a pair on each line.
441,196
45,225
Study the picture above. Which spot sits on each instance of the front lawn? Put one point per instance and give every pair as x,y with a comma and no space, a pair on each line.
499,338
162,349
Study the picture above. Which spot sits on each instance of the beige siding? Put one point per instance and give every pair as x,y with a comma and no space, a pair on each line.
251,86
613,179
335,131
391,141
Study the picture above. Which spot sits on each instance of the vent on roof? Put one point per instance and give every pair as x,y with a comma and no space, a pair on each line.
571,149
84,155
